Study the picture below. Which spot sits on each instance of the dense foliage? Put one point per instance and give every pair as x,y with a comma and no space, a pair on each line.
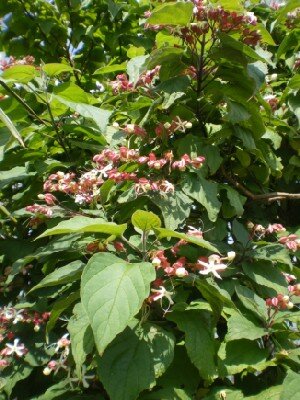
150,163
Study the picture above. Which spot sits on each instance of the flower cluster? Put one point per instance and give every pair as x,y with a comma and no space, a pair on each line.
122,84
12,61
216,19
280,302
9,318
62,349
291,242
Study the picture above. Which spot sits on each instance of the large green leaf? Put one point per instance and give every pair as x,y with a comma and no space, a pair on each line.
236,200
161,344
230,5
179,13
85,224
59,307
54,69
272,252
145,220
264,273
9,124
291,386
81,336
135,359
126,367
69,273
229,41
162,233
110,68
205,192
252,302
112,292
175,207
238,355
272,393
240,327
96,114
199,339
20,73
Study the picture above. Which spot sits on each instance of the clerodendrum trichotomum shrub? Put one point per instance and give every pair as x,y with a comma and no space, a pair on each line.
150,164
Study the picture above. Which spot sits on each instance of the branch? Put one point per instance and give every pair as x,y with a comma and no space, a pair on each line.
269,197
21,101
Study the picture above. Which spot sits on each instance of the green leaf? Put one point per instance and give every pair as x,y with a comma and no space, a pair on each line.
175,207
69,273
216,393
205,192
9,124
110,68
199,339
252,302
229,41
98,115
238,355
12,375
179,13
145,220
230,5
135,67
54,69
290,42
237,112
19,73
59,307
216,297
161,344
290,386
167,394
236,200
126,367
273,252
272,393
265,274
240,327
83,225
81,336
112,293
55,391
294,82
71,92
162,233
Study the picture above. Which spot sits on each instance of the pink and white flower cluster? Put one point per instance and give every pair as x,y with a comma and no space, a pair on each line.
122,84
207,17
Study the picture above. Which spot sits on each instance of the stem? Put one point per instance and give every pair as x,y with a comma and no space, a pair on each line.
21,101
59,137
144,244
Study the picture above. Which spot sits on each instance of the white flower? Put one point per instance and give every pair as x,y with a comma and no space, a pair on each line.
181,272
212,266
231,255
156,262
15,348
104,170
79,199
251,18
63,342
161,293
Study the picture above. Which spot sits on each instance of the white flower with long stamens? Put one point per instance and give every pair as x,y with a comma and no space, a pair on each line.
161,293
62,342
15,348
212,266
